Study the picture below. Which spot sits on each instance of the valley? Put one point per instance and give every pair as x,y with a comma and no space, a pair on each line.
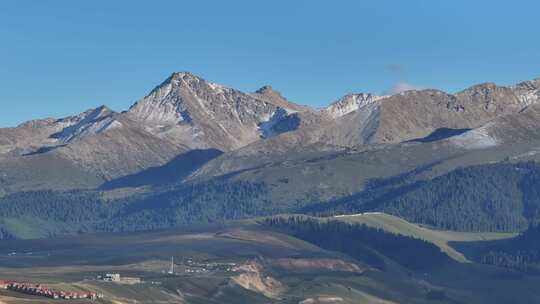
417,197
263,266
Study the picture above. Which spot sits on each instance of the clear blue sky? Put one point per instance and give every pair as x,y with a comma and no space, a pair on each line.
62,57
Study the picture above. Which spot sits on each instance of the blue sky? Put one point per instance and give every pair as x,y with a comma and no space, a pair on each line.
62,57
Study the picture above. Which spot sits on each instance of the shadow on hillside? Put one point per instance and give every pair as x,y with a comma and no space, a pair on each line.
43,150
173,171
439,134
473,250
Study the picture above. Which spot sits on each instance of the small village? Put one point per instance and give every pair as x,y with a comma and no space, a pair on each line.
116,278
188,267
191,266
40,290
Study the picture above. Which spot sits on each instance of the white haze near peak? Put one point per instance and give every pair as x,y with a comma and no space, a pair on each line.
402,87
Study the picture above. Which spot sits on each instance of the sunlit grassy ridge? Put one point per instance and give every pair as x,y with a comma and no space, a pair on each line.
394,224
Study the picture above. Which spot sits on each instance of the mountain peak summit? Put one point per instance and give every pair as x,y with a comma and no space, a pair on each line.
269,92
182,77
183,74
265,90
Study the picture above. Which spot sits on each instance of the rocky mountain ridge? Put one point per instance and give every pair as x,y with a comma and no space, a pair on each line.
187,113
201,114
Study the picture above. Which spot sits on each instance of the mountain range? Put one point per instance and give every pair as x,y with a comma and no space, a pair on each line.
190,131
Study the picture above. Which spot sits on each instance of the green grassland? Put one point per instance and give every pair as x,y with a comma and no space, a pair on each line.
72,263
396,225
498,197
441,238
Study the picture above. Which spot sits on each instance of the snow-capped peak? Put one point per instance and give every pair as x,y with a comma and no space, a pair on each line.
166,104
350,103
87,123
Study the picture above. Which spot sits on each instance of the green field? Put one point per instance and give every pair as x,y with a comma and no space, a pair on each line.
440,238
272,267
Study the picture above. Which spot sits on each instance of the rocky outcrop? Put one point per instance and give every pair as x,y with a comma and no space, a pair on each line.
255,278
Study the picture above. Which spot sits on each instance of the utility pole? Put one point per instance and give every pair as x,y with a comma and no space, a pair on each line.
171,269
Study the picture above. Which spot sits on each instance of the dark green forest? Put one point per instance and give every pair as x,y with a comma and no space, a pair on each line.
87,211
520,253
496,197
364,243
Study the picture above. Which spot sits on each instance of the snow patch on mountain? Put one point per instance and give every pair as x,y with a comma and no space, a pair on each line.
528,92
475,139
278,122
350,103
88,123
218,88
529,97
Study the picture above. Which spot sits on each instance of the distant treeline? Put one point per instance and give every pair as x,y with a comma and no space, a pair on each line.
194,203
87,211
364,243
495,197
520,253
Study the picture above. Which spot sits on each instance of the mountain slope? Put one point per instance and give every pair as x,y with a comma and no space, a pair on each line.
301,155
43,135
360,120
192,111
120,151
98,142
